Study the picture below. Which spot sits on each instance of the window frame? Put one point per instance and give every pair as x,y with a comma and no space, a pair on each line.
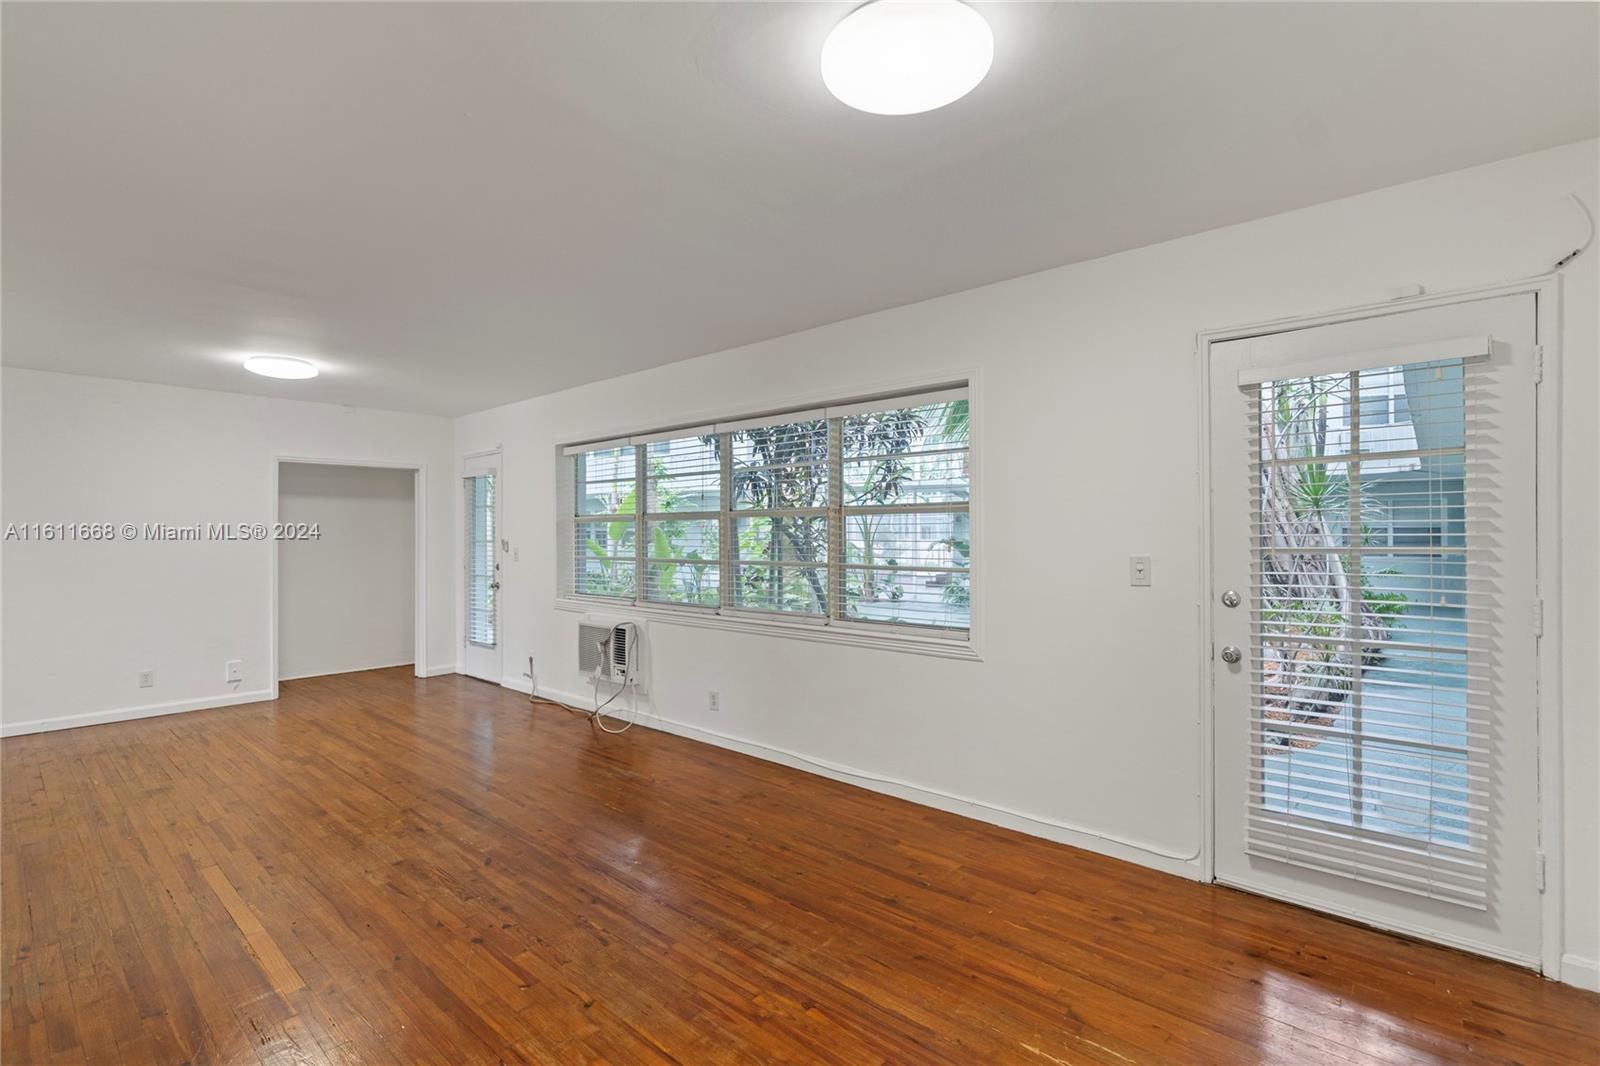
833,625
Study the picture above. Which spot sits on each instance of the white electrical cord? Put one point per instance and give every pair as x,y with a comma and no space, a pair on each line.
595,716
594,713
1570,256
599,719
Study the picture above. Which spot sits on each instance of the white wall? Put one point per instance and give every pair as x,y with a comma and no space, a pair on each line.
80,620
1092,366
345,596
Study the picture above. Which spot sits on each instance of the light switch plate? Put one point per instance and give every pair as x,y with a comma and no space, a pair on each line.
1139,570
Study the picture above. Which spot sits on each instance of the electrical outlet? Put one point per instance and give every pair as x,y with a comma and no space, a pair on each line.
235,671
714,701
147,679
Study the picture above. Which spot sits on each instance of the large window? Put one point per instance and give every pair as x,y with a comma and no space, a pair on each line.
853,515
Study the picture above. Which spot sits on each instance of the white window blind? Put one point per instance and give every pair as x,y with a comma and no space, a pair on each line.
604,532
906,536
1374,612
480,563
683,518
778,538
849,515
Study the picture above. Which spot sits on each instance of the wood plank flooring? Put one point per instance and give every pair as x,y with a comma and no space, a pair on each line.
380,869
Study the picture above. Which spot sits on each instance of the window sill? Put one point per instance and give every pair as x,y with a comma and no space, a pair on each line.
817,632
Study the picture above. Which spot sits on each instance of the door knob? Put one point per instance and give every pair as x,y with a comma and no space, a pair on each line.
1231,654
1230,599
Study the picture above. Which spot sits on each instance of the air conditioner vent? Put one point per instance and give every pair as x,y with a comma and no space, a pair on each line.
611,652
591,654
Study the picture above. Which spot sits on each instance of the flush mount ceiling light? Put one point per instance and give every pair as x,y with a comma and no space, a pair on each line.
903,57
279,366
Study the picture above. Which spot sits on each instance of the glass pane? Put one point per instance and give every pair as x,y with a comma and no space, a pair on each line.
791,589
906,455
605,482
1304,682
1416,599
685,474
1309,777
685,492
605,557
678,538
693,583
1306,597
1306,418
802,540
914,597
1403,791
899,539
1362,594
1434,400
604,577
1374,410
781,467
1420,795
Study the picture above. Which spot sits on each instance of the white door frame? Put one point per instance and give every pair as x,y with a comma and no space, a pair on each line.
463,461
419,584
1547,334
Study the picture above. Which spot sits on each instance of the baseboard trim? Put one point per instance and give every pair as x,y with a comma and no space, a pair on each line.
344,670
1186,866
1577,970
438,671
128,714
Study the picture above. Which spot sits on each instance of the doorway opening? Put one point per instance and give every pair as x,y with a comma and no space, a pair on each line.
347,568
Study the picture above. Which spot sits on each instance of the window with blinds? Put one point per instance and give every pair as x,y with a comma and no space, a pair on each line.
778,540
683,519
907,540
606,526
1374,601
481,584
850,515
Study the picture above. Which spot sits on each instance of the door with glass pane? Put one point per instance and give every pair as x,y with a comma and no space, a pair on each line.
480,640
1374,677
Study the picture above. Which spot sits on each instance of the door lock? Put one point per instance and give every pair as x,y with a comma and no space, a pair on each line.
1231,654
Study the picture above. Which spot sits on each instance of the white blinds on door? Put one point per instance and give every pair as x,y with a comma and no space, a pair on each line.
1372,674
481,583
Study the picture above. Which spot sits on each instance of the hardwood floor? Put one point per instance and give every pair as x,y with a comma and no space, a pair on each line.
380,869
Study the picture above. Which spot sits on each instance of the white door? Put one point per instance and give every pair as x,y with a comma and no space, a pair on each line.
480,487
1375,659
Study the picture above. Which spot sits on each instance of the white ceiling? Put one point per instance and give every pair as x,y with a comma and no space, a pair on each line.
453,206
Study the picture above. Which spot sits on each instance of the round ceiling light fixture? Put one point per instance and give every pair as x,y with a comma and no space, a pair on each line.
903,57
279,366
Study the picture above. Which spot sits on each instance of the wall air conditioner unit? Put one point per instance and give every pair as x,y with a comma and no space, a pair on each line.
612,649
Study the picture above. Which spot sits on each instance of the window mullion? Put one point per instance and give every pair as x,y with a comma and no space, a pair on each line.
641,489
725,527
835,519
